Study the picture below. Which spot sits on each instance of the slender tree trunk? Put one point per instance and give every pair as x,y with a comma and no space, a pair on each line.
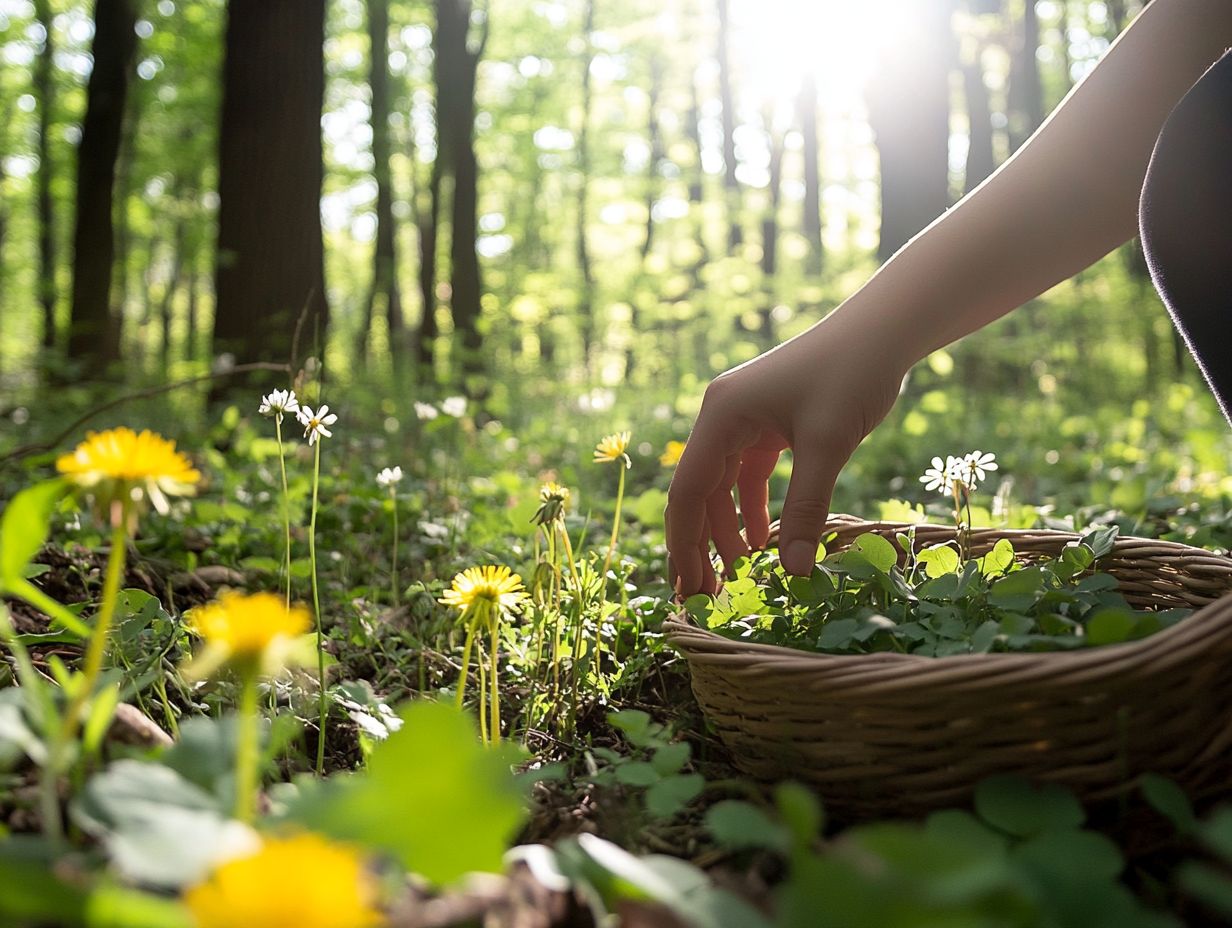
44,91
123,225
586,287
174,279
455,65
115,44
4,224
427,223
654,140
980,158
731,184
811,222
909,110
1067,61
270,261
1025,95
385,254
693,126
192,322
770,227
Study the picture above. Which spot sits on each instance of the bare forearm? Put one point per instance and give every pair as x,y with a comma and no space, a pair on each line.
1067,198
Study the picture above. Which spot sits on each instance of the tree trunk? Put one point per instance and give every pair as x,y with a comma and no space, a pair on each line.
693,126
586,288
385,254
770,227
731,185
115,44
270,262
654,139
44,91
122,271
167,306
192,322
810,224
455,64
4,219
980,158
1025,95
909,111
427,224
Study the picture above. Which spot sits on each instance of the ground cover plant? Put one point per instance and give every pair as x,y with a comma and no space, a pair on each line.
504,707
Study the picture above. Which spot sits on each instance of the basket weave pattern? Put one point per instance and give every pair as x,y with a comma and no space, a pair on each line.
890,733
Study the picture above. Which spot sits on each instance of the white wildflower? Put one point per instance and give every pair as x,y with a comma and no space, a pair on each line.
454,406
942,475
315,423
977,463
389,477
279,403
426,411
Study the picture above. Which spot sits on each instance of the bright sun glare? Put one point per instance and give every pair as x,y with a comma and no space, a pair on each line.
838,41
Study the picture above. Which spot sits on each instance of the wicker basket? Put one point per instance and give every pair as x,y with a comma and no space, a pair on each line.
899,734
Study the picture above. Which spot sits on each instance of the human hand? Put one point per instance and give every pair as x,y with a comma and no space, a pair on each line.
819,395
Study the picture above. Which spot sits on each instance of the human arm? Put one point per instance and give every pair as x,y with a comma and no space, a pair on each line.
1064,200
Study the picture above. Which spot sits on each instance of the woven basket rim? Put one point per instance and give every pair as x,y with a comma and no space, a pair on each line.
889,671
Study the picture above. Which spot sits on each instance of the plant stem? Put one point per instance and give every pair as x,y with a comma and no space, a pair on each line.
393,498
316,608
611,548
247,749
483,688
286,508
102,627
495,726
466,662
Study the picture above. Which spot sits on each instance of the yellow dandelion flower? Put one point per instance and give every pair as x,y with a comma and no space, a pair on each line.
120,464
484,588
302,881
257,628
553,501
671,454
614,448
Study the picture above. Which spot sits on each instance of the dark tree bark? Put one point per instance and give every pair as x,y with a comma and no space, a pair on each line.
1025,95
427,222
909,110
385,255
654,139
122,270
270,263
586,288
44,92
455,64
731,184
810,223
115,44
980,158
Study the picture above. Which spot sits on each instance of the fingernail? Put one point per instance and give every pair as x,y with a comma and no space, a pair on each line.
798,557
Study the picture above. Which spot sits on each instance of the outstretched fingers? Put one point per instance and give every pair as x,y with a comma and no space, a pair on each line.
699,474
721,512
756,466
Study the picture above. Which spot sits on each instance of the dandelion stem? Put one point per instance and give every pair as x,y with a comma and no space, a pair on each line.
316,608
466,665
247,749
611,548
495,727
483,688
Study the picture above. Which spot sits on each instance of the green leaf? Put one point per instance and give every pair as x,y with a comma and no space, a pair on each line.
876,550
1208,884
1018,808
737,825
801,812
837,633
16,736
102,710
671,794
159,829
939,560
637,773
671,757
25,525
999,560
433,796
1111,626
1170,801
1018,590
636,725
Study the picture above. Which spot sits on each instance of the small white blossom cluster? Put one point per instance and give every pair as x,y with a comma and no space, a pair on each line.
389,477
452,406
967,471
